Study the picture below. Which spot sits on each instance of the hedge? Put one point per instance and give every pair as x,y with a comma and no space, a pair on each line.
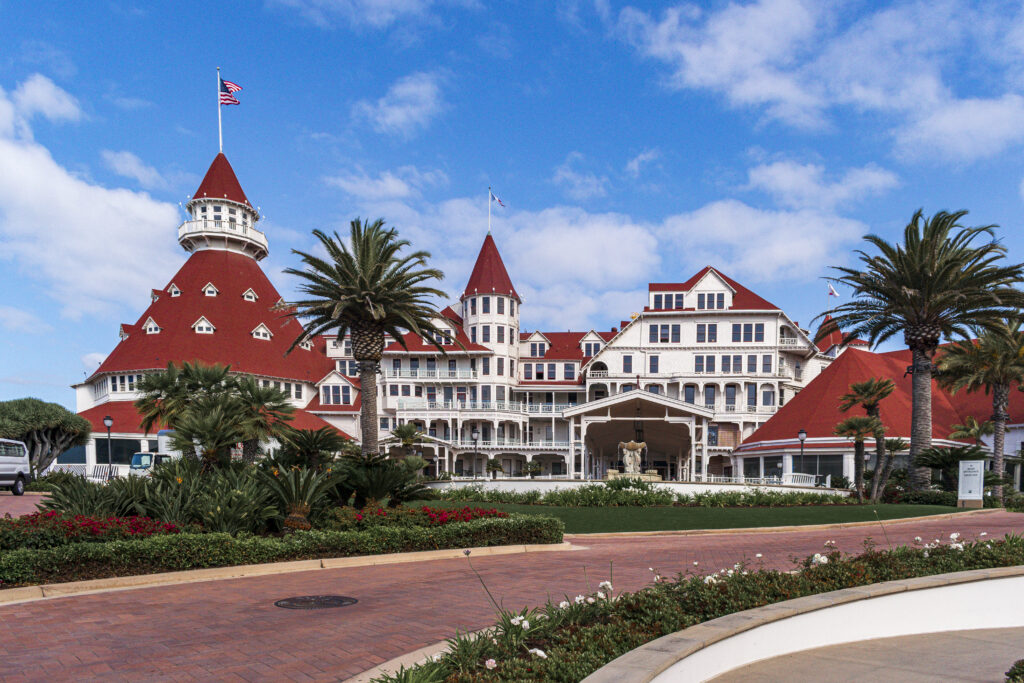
79,561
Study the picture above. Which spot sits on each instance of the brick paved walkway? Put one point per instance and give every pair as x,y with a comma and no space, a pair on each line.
230,630
18,505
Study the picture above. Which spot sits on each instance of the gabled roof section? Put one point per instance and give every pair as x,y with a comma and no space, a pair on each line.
261,331
450,314
250,295
834,336
489,275
220,182
743,298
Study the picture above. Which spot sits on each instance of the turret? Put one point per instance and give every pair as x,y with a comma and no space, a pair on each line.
221,217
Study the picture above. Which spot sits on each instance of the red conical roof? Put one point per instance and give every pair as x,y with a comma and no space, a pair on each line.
489,275
220,183
834,336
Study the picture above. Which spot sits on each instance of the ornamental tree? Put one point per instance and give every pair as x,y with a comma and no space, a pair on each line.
48,429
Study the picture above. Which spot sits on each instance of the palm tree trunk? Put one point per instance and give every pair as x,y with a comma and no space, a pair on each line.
1000,402
889,461
858,469
368,410
879,456
921,417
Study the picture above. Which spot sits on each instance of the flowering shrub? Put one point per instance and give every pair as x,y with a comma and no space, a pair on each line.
345,519
51,529
568,640
1014,675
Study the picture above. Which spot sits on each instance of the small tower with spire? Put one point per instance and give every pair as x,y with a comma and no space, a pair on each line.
221,217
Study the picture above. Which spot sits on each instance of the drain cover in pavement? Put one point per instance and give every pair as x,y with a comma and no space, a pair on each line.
316,602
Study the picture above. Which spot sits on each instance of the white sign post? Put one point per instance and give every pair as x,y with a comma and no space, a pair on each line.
972,484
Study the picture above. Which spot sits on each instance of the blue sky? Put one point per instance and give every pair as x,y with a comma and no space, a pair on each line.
631,142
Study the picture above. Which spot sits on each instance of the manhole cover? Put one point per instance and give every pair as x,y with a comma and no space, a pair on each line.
316,602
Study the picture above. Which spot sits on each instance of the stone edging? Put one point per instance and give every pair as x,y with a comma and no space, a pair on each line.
776,529
12,596
646,662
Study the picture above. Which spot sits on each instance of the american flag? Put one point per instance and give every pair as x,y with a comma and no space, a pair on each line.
226,90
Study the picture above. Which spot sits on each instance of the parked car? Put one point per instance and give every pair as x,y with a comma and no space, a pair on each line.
142,463
15,471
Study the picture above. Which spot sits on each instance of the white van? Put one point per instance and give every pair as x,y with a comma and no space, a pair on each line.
14,468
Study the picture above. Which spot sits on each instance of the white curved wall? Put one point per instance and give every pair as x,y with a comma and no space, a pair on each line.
544,485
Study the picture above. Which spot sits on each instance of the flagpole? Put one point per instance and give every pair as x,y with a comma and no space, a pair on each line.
220,128
489,200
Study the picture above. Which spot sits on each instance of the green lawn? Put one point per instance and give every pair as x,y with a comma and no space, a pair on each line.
580,520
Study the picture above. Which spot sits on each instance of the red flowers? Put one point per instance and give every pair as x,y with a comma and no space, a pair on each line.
438,516
80,527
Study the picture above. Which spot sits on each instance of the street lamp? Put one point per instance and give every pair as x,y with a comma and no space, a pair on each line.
802,435
476,437
108,422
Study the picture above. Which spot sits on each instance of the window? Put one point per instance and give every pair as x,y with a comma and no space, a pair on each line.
347,347
654,334
501,366
552,375
698,364
485,305
249,295
709,402
472,334
679,301
261,332
396,365
452,365
759,332
730,394
751,364
709,363
174,290
737,333
511,368
654,364
485,366
431,365
511,306
712,333
486,331
472,306
591,348
702,333
333,394
737,364
499,392
569,371
527,371
721,300
700,302
383,423
393,390
537,349
751,395
766,364
501,304
417,390
406,390
657,301
501,334
414,364
152,327
538,371
726,364
298,390
209,289
203,326
675,334
663,337
627,363
690,393
768,396
748,332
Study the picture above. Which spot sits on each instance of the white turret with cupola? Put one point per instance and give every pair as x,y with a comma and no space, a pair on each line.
221,217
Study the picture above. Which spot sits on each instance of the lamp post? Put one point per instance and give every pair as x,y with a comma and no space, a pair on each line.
802,435
108,422
476,438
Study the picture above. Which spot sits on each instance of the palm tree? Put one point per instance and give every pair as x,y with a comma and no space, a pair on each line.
366,287
311,448
265,410
167,395
407,434
938,283
994,363
868,394
947,462
892,448
972,429
858,428
213,424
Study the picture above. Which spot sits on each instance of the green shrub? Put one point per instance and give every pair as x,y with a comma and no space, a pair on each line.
78,561
1016,672
352,519
567,641
47,482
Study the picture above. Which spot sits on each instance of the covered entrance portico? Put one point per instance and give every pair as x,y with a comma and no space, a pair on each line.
675,433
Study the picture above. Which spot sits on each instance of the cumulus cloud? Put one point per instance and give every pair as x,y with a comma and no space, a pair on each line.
407,181
89,247
91,361
410,105
126,164
799,61
801,186
634,165
577,184
18,320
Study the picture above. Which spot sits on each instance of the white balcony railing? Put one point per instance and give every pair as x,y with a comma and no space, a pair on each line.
431,374
227,228
553,409
491,444
787,341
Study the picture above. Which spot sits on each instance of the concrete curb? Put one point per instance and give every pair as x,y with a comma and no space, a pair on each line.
646,662
778,529
50,591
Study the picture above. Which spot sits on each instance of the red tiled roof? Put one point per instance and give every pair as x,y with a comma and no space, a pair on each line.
450,313
303,419
743,299
816,407
834,336
233,319
416,344
220,182
315,406
489,275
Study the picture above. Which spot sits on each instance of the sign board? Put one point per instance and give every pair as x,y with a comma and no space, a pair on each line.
972,480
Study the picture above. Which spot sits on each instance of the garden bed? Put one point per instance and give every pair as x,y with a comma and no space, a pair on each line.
79,561
567,640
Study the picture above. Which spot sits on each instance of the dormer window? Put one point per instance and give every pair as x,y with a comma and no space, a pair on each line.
173,289
262,332
306,345
151,327
210,290
249,295
203,326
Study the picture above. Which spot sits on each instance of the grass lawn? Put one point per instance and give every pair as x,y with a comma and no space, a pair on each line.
580,520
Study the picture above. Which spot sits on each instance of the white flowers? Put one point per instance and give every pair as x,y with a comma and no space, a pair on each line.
607,585
759,555
600,595
830,544
536,652
579,600
953,536
491,664
695,563
983,533
590,601
710,579
917,539
563,605
521,621
819,559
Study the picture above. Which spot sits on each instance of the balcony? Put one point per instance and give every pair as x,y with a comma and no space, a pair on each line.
491,444
552,409
431,374
787,341
598,374
222,229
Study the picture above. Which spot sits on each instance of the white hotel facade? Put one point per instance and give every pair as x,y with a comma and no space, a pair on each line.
699,367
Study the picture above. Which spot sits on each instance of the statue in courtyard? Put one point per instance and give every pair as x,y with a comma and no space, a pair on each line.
630,451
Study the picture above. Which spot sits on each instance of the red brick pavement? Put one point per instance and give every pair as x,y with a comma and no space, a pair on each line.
230,630
18,505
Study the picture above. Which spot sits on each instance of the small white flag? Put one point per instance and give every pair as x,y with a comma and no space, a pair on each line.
832,290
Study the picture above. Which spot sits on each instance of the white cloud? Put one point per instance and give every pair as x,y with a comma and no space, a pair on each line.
91,361
579,185
18,320
410,104
763,245
91,248
407,181
799,61
634,165
373,13
126,164
804,186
